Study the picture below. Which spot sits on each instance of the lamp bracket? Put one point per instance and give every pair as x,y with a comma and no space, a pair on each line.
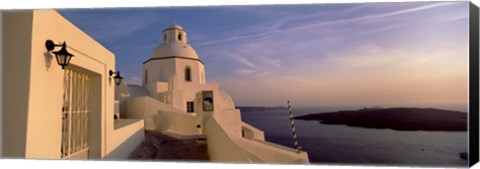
50,45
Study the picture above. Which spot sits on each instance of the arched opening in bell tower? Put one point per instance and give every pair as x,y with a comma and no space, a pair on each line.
179,37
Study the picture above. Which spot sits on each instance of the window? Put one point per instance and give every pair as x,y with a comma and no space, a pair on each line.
207,100
190,108
75,114
146,76
188,74
179,36
164,37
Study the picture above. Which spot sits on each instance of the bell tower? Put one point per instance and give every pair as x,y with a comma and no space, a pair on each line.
174,33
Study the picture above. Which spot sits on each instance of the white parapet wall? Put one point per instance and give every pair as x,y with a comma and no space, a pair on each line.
229,147
179,124
251,132
221,148
147,108
230,120
127,135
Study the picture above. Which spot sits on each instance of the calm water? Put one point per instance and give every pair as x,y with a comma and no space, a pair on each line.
355,145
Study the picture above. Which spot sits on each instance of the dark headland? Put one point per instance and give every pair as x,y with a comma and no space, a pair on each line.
405,119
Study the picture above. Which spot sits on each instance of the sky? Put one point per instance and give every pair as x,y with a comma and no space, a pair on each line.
365,54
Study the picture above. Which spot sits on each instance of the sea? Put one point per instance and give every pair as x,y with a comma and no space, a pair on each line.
340,144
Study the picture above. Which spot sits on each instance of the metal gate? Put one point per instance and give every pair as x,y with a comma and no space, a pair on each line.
75,112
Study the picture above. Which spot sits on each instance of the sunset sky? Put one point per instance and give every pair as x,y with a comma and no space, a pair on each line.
367,54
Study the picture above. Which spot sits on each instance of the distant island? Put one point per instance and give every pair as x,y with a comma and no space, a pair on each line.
258,108
404,119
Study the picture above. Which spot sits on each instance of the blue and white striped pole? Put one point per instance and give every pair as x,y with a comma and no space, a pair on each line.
292,125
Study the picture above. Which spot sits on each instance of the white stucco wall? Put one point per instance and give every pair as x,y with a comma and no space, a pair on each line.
161,70
90,57
155,89
158,70
188,92
16,30
0,86
179,123
196,68
147,108
225,146
230,120
121,95
36,87
125,139
252,132
222,148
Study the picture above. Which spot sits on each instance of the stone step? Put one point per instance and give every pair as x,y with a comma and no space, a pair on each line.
161,147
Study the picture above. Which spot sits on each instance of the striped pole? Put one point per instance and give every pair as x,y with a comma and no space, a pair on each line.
292,125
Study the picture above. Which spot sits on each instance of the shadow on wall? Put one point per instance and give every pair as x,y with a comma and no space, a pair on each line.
48,59
123,150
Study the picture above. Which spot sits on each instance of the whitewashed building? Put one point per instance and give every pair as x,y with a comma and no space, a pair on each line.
50,112
175,99
56,111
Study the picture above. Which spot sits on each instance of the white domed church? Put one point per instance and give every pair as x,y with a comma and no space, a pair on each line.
176,61
175,100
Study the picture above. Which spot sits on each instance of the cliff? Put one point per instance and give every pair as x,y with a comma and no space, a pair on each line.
406,119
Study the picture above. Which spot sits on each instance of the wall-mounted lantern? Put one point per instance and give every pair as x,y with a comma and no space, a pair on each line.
63,56
117,76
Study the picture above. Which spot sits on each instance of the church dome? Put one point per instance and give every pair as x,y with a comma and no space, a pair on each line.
174,49
174,26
